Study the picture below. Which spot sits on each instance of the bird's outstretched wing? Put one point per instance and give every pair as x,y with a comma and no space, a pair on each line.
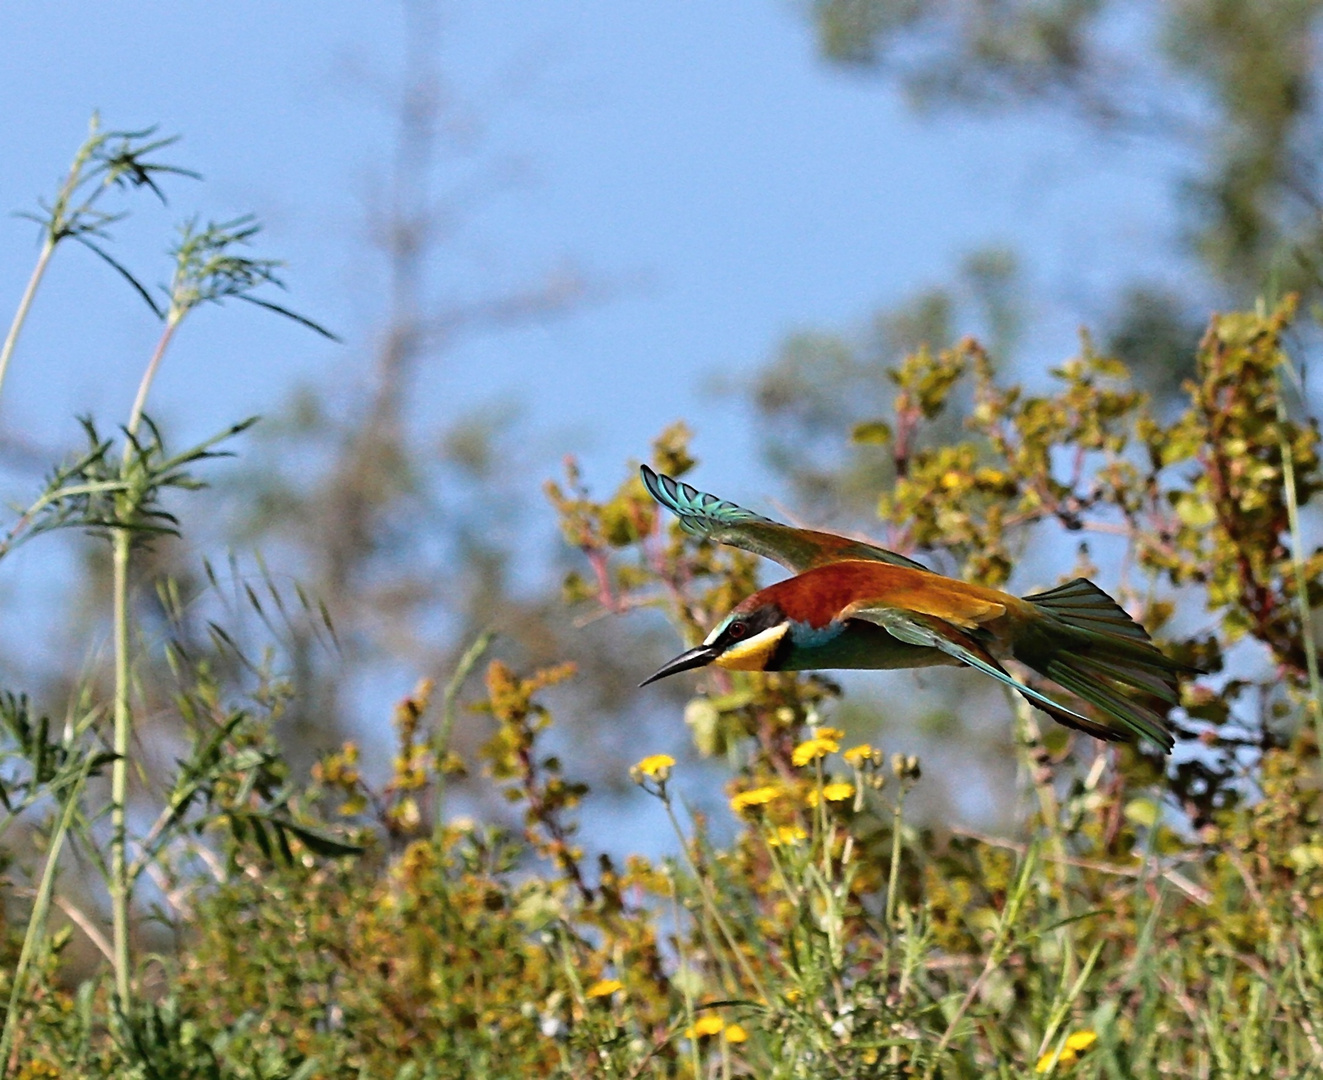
716,519
917,628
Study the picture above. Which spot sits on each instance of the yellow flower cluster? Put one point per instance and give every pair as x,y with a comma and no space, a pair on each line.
1076,1044
759,796
339,769
785,835
712,1024
862,754
653,767
826,741
836,791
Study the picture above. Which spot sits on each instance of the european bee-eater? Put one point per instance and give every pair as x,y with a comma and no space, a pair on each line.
853,605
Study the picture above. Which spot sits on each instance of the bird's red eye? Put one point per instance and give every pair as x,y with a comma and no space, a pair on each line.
737,630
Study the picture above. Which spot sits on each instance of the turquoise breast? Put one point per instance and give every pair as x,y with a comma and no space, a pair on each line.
852,644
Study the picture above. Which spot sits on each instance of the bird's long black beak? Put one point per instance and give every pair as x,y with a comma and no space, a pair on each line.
695,657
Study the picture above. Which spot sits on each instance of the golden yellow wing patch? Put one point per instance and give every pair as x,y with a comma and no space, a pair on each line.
963,607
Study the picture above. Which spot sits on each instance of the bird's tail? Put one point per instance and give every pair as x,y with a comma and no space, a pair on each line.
1091,647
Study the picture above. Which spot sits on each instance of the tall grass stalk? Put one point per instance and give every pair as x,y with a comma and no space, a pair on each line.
119,775
121,886
25,305
206,271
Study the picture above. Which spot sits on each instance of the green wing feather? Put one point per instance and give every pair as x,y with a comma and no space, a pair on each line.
914,628
1083,641
1095,650
716,519
1080,603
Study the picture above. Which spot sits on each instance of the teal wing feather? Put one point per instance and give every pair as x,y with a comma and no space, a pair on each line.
915,628
716,519
1095,650
1080,603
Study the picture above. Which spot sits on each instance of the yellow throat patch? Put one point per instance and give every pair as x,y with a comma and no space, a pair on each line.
752,655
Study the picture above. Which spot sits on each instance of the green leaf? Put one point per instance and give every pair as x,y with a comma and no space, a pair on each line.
1194,510
1141,812
871,433
319,841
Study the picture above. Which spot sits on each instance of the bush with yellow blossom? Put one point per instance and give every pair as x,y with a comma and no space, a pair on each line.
1129,924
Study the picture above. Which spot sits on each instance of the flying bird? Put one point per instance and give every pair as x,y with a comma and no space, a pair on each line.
854,605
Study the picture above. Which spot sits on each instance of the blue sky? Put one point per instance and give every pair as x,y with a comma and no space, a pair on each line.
698,154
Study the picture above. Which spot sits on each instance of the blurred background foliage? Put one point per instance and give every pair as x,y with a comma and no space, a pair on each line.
336,883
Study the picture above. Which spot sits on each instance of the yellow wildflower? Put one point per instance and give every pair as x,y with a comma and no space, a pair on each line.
857,755
654,767
836,791
603,988
1076,1043
758,796
707,1024
735,1033
786,834
814,748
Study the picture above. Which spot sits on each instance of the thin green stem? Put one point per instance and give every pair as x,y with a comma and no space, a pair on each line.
1061,1009
909,965
1303,610
172,321
449,698
120,887
713,908
893,876
1040,776
40,909
25,305
121,883
889,909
